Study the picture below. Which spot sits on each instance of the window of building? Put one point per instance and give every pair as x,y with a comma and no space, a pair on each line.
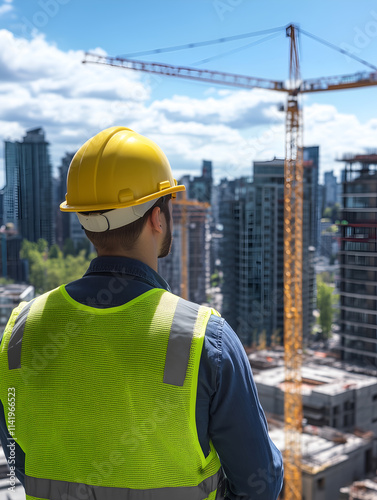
321,483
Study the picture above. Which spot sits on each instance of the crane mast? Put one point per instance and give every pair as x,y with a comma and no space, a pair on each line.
293,214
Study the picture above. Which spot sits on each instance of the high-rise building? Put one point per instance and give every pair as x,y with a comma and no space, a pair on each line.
67,224
312,210
358,261
252,256
329,239
28,190
191,230
200,188
11,266
332,189
236,214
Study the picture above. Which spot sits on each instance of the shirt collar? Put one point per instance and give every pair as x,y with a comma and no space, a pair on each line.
129,267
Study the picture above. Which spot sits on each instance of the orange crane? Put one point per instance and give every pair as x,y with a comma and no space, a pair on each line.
293,214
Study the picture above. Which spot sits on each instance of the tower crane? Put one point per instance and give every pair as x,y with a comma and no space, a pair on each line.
293,214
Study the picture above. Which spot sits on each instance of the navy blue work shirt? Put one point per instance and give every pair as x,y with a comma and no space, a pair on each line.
227,409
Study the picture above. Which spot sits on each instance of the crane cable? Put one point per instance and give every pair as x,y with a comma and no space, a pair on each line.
243,36
238,49
202,44
335,47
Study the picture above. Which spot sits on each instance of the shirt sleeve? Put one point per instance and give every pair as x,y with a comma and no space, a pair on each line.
237,424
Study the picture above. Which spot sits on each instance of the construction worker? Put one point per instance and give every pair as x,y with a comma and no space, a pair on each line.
111,386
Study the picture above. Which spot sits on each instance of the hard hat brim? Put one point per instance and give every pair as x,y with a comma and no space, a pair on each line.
64,207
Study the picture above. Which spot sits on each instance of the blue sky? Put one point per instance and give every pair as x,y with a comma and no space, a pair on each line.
43,83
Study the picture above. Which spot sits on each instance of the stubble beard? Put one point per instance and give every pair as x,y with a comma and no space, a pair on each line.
166,244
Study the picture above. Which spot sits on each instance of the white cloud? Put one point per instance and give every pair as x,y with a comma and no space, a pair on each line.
40,85
6,7
336,133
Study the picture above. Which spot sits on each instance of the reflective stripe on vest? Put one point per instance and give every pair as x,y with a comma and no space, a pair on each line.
179,344
65,490
15,342
178,351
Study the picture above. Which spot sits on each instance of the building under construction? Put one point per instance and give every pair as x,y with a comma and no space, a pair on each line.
186,269
360,490
330,459
331,397
358,261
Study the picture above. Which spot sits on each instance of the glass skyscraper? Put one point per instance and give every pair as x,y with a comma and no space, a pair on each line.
28,190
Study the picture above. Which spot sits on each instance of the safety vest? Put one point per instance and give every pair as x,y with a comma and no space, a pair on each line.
105,398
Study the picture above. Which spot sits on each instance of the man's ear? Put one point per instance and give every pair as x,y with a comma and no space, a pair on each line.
155,219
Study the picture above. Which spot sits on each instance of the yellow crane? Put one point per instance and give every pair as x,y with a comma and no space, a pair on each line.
293,210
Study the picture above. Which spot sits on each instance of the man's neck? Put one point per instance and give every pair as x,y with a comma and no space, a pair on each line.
144,257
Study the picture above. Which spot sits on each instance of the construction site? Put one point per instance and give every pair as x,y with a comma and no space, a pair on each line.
339,419
320,407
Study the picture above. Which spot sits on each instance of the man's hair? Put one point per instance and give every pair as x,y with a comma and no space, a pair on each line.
126,236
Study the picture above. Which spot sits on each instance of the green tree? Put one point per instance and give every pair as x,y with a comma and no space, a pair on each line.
48,268
68,247
6,281
76,266
325,305
333,212
327,213
42,245
35,254
54,252
326,277
215,279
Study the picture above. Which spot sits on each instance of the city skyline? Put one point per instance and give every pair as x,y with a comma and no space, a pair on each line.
45,85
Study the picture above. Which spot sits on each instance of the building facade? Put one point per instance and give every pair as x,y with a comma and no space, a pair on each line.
236,215
12,267
190,263
28,190
186,268
358,262
67,224
332,189
10,297
252,256
331,397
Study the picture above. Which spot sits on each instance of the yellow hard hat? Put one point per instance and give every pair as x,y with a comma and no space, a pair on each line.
117,168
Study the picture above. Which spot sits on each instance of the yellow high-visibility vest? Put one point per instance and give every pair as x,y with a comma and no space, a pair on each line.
105,398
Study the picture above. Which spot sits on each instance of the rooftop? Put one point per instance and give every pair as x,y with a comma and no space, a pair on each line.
317,378
15,291
322,447
361,490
